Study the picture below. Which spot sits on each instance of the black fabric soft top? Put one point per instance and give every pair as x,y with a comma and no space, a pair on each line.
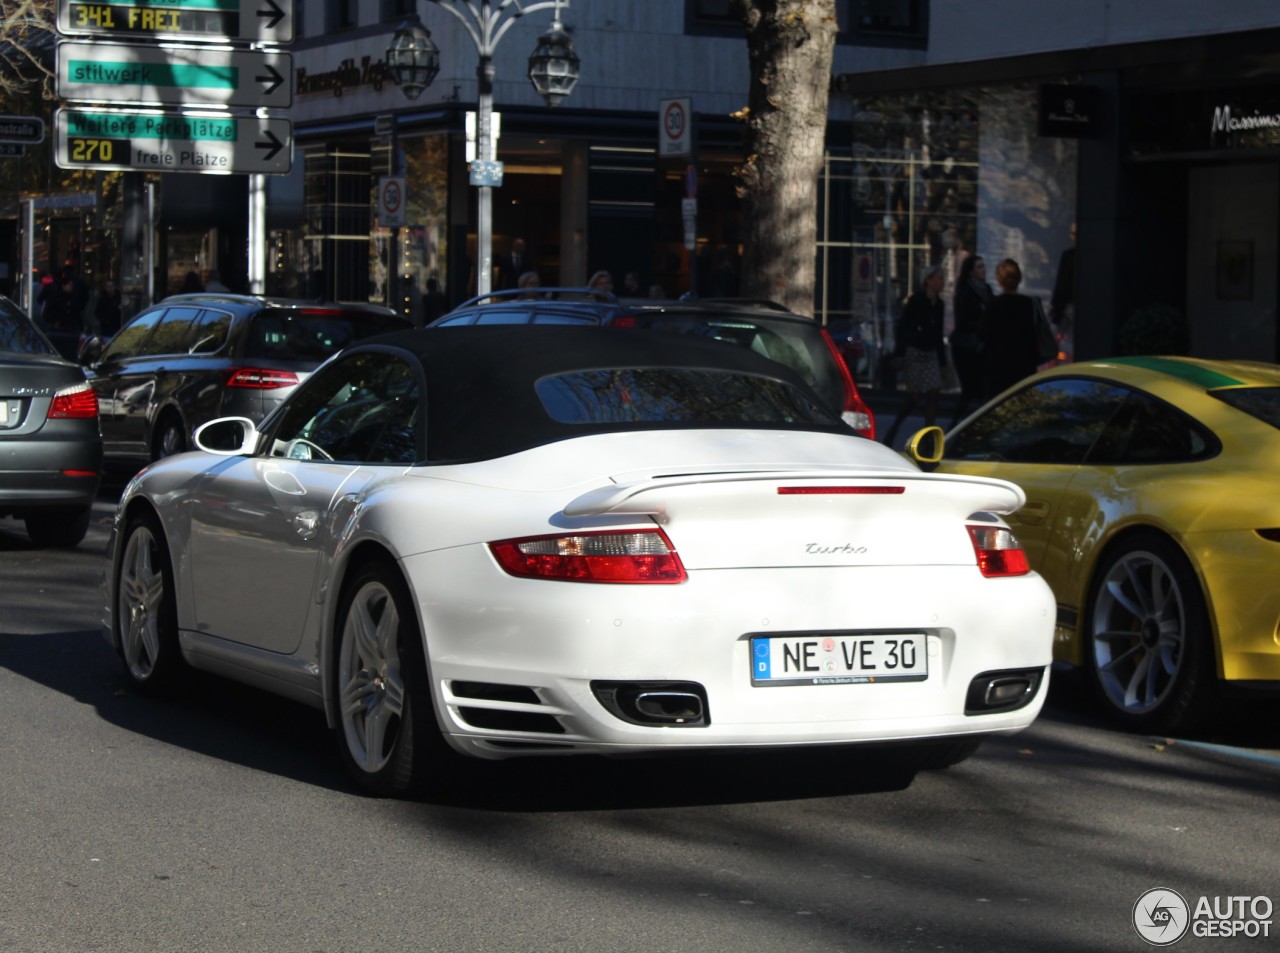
482,400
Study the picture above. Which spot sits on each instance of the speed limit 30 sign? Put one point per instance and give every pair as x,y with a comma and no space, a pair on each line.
391,201
675,128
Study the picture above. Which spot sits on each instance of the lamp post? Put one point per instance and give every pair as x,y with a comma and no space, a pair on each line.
413,61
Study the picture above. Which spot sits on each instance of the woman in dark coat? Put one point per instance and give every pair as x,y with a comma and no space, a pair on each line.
973,295
923,350
1009,338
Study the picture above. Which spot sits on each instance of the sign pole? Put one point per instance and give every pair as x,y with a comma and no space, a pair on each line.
149,246
257,233
27,293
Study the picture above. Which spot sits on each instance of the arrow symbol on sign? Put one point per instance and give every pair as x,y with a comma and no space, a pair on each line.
275,13
274,80
275,145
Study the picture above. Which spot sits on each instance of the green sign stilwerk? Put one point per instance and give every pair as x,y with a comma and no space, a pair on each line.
173,75
172,142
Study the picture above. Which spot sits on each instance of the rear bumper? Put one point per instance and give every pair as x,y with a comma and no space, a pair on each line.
35,475
516,669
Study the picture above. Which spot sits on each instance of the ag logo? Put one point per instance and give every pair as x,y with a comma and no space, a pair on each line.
1161,916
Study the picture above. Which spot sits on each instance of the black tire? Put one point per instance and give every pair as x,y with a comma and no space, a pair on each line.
1147,640
62,529
385,722
170,437
145,613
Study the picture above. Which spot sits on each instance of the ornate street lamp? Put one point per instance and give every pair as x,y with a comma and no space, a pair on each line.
553,70
553,66
413,58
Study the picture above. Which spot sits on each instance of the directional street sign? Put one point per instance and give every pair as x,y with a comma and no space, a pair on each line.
27,130
171,142
253,21
144,74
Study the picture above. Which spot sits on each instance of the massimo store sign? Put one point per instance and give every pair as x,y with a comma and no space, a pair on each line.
1234,126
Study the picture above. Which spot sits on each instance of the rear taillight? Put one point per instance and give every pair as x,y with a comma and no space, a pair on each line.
643,556
999,552
259,379
77,401
855,411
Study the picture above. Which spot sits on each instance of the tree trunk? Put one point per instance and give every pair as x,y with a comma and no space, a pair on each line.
790,45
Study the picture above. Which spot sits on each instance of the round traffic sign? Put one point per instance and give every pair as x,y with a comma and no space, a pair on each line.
392,196
674,120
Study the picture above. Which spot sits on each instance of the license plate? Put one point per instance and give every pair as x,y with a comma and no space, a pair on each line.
839,659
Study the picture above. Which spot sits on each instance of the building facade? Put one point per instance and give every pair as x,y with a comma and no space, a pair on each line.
1149,128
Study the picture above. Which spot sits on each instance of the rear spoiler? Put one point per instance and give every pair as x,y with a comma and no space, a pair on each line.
1000,496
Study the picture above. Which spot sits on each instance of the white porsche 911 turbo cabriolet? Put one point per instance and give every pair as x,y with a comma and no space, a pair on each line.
501,541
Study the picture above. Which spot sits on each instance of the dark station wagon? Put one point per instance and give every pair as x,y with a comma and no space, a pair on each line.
764,327
191,358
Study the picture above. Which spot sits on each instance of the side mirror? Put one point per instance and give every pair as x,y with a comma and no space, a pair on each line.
227,436
91,349
925,448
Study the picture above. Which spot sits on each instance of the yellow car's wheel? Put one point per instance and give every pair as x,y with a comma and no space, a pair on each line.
1148,646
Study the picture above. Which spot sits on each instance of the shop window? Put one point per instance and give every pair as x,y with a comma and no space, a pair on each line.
930,178
339,15
396,9
900,23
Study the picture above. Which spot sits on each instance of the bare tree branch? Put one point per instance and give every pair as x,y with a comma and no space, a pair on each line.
28,39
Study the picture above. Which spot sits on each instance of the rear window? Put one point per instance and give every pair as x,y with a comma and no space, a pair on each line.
19,335
798,345
676,395
312,336
1260,402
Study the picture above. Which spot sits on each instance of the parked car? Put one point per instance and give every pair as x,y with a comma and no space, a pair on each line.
763,326
50,448
194,357
855,340
1153,514
578,306
519,541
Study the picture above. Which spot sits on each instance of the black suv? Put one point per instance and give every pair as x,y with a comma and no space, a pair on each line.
763,326
191,358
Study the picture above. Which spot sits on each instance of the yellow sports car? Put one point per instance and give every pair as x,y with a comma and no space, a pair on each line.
1153,511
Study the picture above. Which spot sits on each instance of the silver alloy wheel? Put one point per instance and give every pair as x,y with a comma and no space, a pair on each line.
1139,632
371,689
138,599
171,439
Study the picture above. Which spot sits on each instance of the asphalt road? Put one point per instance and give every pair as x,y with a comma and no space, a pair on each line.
220,821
